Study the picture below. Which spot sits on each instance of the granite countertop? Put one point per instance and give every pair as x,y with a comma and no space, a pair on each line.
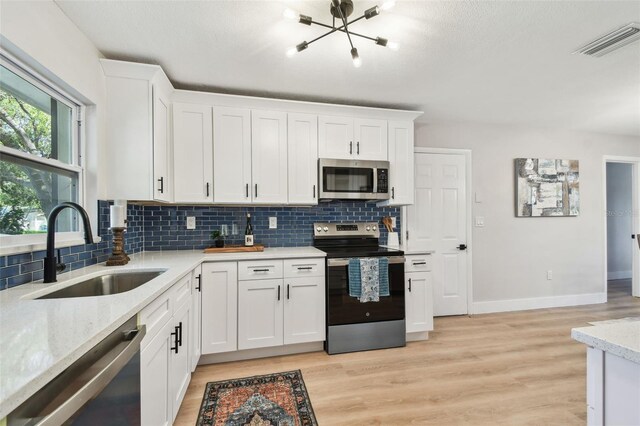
621,338
40,338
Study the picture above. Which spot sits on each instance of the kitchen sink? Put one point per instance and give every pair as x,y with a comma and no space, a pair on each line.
104,285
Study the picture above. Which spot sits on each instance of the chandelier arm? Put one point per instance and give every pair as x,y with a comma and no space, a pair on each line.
342,29
323,35
344,21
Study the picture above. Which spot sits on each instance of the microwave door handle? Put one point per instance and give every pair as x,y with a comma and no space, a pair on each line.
375,181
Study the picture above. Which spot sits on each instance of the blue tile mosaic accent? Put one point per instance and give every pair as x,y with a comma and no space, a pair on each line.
164,228
26,267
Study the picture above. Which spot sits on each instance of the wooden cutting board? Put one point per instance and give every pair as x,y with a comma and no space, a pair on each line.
234,249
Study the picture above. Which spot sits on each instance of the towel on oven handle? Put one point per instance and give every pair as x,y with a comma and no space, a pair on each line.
355,277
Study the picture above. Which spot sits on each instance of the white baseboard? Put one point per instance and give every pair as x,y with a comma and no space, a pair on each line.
619,275
537,303
417,335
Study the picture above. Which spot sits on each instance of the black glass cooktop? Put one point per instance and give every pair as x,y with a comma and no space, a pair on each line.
347,251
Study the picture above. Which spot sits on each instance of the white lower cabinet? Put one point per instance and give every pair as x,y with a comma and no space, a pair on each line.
260,313
196,317
165,354
219,307
418,294
304,310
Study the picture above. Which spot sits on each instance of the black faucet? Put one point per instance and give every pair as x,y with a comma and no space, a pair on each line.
50,264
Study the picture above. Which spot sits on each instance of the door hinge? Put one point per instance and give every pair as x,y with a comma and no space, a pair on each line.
407,233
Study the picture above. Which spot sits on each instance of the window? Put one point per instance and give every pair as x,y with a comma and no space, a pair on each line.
39,153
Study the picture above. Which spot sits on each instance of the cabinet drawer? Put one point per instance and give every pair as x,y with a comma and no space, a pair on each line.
259,269
418,263
294,268
155,315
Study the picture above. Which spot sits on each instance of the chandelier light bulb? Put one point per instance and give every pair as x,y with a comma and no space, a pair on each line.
387,5
291,52
393,45
290,14
357,62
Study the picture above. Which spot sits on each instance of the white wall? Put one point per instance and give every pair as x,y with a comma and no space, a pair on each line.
511,255
39,34
619,220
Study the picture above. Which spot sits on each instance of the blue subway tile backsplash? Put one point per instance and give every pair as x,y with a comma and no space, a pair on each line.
153,228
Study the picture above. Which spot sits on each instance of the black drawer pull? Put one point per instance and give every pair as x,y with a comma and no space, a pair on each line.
278,291
261,270
175,334
305,268
419,263
180,334
287,291
409,284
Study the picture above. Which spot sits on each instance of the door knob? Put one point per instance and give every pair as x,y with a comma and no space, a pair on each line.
462,247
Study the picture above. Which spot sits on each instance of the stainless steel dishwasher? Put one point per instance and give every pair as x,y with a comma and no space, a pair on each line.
100,388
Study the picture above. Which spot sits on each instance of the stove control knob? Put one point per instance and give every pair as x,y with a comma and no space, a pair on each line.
368,228
375,227
326,229
319,228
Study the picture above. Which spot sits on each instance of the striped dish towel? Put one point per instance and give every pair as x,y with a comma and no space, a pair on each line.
355,276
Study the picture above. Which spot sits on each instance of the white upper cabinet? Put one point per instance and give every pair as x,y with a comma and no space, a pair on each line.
303,158
370,139
138,110
192,153
232,155
352,139
269,157
401,159
335,137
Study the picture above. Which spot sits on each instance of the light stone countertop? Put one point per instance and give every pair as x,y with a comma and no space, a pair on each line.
40,338
621,339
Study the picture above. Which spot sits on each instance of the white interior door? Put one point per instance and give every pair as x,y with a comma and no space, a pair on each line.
437,221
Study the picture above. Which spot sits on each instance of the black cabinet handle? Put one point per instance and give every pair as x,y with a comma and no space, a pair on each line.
393,192
261,270
314,191
409,284
350,147
246,189
278,291
207,189
199,286
161,180
305,268
419,263
256,190
180,334
358,148
287,291
175,341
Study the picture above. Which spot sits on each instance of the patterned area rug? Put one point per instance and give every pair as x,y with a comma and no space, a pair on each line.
275,399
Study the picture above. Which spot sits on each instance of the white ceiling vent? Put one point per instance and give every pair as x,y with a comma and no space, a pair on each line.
612,41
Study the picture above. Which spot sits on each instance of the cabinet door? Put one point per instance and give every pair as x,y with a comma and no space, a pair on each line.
193,153
370,139
260,313
219,307
401,162
304,310
231,155
161,146
180,360
269,156
196,318
303,158
419,301
155,404
335,137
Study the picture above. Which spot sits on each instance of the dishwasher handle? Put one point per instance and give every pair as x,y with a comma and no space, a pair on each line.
98,382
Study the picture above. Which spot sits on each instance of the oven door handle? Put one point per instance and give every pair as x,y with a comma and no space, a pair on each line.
96,384
343,261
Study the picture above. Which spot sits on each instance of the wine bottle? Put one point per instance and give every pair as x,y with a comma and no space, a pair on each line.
248,232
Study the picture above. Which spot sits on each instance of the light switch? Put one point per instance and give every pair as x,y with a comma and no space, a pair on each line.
191,222
479,221
273,222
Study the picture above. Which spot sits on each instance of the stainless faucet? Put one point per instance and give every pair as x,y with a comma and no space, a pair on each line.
50,264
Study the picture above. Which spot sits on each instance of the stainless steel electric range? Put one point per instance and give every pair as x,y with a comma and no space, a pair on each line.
351,325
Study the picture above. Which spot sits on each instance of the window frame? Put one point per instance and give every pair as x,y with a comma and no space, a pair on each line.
13,244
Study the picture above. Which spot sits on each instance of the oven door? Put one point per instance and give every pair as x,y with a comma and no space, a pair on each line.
344,309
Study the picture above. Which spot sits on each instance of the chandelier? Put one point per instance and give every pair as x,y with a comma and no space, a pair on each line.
341,10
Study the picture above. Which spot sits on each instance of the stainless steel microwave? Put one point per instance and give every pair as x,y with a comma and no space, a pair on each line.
353,179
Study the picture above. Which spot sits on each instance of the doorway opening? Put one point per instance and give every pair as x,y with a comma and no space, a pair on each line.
622,246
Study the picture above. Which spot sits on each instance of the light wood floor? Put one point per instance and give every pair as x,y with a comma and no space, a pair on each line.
509,368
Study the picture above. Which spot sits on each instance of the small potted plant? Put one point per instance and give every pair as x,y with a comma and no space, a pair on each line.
218,238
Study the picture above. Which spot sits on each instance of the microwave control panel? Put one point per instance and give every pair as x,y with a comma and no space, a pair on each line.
383,181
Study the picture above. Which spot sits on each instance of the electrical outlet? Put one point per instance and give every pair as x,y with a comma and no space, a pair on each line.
393,222
479,221
191,222
273,222
549,275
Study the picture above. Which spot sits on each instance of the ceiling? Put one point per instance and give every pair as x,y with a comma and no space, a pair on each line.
499,62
